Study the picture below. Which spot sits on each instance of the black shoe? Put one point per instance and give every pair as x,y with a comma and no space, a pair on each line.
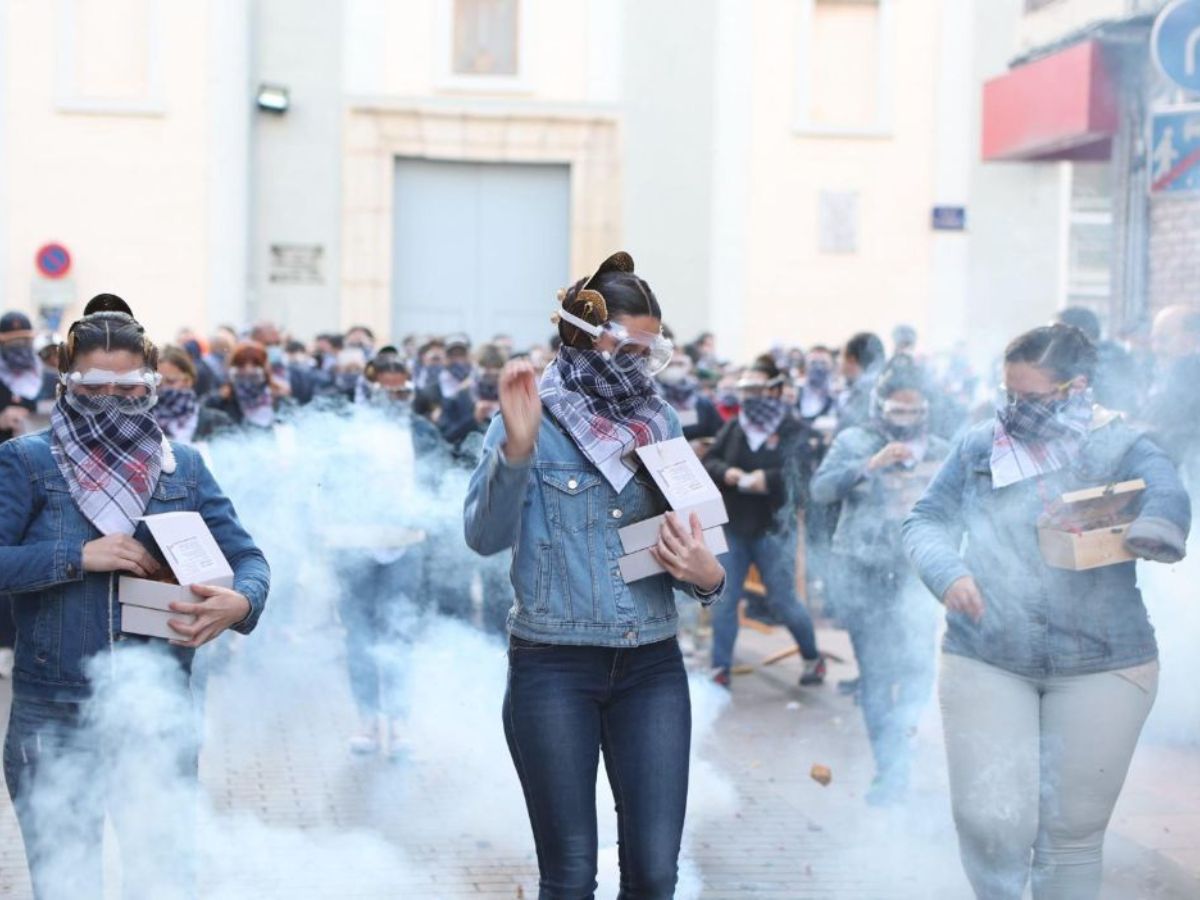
814,672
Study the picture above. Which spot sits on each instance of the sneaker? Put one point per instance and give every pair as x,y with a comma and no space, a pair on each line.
363,744
814,672
721,677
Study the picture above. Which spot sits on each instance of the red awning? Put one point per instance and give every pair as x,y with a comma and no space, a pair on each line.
1061,107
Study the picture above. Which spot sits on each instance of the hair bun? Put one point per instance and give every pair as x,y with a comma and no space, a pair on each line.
618,262
107,303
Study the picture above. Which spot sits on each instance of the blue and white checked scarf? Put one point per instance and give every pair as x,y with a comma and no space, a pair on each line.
21,370
177,413
1062,429
607,412
760,417
111,462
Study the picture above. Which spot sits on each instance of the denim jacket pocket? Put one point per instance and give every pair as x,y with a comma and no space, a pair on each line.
569,496
170,492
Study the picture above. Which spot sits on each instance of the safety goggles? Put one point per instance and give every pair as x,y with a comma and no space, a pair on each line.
749,387
645,350
1012,398
904,413
136,391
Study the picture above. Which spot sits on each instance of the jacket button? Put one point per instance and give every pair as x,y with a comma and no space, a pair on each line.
617,514
572,484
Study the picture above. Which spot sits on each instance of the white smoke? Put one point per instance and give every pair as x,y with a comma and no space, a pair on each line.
284,809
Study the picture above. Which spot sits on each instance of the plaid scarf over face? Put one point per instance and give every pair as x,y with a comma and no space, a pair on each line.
111,462
760,417
1032,440
608,413
682,394
176,412
21,370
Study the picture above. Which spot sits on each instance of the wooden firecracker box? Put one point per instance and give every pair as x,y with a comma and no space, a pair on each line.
1086,529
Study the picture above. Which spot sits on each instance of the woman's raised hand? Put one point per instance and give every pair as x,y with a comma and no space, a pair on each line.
521,407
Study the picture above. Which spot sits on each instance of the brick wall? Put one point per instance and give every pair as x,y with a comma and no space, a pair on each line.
1174,252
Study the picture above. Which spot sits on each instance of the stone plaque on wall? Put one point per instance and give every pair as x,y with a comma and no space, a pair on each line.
298,264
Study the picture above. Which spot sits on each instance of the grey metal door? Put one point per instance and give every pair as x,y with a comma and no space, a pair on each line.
479,248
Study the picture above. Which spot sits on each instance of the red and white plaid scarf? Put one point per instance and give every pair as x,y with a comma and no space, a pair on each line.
111,462
609,413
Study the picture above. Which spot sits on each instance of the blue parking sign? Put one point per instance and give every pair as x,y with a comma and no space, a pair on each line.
1175,150
1175,43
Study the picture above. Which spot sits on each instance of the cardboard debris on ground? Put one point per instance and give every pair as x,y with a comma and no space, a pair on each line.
822,775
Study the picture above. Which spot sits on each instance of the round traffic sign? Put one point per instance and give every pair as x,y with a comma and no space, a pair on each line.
53,260
1175,43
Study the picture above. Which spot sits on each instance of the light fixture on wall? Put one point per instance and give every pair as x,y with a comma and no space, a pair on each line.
273,98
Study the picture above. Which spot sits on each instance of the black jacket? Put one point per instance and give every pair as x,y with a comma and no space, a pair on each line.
7,399
787,459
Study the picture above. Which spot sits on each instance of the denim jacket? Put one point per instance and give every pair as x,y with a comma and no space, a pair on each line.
874,504
560,518
1040,620
65,615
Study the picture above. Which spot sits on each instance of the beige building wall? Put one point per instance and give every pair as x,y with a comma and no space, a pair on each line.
108,149
403,100
796,291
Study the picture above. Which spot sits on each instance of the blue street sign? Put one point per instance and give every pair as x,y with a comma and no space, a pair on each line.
1175,43
949,218
1175,150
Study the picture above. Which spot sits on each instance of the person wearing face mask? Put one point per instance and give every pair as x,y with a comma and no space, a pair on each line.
346,381
594,664
363,338
862,359
300,381
726,398
876,472
1047,674
762,461
431,361
20,374
681,389
179,412
253,397
816,399
456,387
63,545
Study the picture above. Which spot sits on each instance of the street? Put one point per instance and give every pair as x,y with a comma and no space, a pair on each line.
446,820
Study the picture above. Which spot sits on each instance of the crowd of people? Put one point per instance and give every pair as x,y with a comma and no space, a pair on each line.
851,476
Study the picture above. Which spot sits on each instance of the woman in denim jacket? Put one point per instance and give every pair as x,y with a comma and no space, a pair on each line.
593,662
1047,673
875,472
72,496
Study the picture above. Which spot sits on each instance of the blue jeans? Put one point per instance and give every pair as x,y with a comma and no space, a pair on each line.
892,625
56,769
566,704
774,553
378,609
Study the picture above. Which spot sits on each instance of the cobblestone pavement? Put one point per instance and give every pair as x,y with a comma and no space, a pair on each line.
428,824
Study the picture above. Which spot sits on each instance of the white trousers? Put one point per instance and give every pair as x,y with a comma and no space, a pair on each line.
1036,766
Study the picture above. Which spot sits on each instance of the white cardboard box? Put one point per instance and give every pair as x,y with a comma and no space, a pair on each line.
193,556
643,534
679,474
639,565
687,487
